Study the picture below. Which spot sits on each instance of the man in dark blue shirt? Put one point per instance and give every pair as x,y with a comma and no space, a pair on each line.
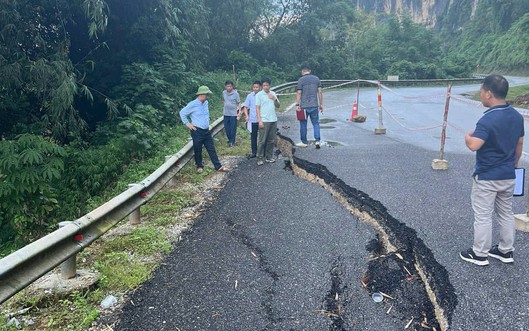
498,142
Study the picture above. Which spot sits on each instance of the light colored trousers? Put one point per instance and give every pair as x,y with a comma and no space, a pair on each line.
489,196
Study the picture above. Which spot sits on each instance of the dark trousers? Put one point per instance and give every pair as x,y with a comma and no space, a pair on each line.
230,126
203,137
253,137
266,141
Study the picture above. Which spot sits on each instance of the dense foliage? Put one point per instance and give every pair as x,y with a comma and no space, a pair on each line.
493,36
89,86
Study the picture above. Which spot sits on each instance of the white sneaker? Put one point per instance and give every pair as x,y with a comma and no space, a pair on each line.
317,144
303,145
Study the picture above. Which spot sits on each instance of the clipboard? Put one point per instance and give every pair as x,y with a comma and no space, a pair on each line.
519,182
301,115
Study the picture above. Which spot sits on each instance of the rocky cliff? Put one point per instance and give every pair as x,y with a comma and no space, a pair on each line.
425,12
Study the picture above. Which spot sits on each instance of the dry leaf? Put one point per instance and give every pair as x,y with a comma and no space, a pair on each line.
409,323
386,295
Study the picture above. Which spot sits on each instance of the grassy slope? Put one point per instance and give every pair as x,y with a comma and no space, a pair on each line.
514,92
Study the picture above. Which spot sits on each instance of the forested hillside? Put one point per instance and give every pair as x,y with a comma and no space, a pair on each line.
494,34
90,86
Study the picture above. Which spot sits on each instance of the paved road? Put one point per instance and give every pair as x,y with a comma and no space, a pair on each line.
274,250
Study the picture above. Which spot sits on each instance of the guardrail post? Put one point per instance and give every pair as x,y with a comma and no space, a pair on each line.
380,129
68,267
134,217
172,181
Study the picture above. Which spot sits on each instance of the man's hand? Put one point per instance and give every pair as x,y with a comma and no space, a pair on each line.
192,127
271,96
261,125
321,108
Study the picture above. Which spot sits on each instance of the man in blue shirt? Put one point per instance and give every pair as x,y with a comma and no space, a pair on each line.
198,111
232,104
251,116
498,142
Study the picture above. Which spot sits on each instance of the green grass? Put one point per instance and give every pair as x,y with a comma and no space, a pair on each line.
143,241
517,91
122,271
75,312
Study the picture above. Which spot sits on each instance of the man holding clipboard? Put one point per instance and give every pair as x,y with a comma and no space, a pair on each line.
498,142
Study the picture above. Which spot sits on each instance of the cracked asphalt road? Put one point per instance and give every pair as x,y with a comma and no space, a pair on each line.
263,257
267,254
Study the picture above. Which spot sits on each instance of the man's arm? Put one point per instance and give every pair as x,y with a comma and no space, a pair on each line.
320,97
184,113
245,112
473,143
519,149
298,97
258,113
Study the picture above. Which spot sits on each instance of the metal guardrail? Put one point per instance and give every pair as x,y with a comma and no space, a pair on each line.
29,263
344,83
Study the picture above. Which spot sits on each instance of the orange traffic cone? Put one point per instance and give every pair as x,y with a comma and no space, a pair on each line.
354,112
354,115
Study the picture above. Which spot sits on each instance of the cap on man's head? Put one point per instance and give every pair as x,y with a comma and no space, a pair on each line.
203,90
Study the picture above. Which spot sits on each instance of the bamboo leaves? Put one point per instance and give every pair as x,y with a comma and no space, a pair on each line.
97,12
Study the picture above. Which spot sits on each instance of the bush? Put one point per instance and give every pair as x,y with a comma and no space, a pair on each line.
29,166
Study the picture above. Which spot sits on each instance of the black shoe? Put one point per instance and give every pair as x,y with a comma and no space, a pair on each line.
252,156
471,257
503,257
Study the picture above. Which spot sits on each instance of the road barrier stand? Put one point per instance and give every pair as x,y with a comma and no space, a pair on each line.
441,163
135,216
380,129
522,222
69,266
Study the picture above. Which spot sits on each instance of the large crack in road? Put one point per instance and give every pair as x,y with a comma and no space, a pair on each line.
264,265
401,267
